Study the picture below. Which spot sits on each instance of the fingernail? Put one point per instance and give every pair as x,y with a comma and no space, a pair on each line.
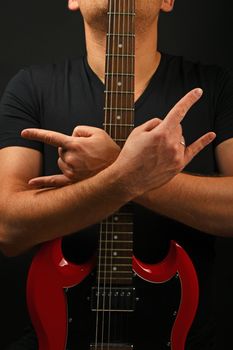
198,92
212,136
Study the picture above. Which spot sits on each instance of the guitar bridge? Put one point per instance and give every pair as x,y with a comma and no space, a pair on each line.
118,299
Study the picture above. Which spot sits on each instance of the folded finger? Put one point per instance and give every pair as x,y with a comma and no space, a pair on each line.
50,181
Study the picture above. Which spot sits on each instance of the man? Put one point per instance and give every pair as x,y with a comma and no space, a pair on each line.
146,171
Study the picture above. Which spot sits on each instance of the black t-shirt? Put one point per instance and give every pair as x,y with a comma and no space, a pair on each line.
61,96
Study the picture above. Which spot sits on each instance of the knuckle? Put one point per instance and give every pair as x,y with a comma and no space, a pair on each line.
178,164
162,137
60,164
70,174
76,129
69,159
52,180
158,120
175,149
181,111
48,138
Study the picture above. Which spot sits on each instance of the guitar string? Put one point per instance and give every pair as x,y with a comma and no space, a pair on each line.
110,49
114,135
124,97
127,89
131,84
107,62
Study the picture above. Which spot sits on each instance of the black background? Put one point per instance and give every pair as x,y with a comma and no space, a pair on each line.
45,31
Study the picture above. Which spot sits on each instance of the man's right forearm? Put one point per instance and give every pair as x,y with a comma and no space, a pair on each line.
35,216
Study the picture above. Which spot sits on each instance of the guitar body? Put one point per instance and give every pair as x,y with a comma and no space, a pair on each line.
50,274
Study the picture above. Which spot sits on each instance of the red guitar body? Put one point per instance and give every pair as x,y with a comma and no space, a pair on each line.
51,273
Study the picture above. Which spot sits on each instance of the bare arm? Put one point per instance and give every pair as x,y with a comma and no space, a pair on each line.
205,203
31,216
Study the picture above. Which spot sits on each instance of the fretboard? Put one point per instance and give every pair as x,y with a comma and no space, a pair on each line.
116,236
119,70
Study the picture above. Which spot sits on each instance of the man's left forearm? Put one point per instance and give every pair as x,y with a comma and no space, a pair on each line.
204,203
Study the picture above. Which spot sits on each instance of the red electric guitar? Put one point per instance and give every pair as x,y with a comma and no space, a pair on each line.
112,297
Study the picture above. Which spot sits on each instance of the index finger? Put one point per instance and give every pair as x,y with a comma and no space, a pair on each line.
178,112
49,137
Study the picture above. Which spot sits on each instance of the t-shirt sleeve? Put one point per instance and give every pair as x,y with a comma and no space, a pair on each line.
19,109
224,106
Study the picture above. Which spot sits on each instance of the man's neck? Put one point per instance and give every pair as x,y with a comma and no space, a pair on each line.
146,62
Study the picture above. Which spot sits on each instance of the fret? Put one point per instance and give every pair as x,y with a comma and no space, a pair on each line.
118,249
119,55
118,223
121,232
118,92
120,140
113,232
123,74
118,233
118,109
118,230
131,35
116,255
125,221
114,271
122,13
121,125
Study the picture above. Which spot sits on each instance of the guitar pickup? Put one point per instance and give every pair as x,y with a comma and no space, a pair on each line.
113,299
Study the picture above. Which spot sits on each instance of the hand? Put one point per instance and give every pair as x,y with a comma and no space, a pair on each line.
88,151
153,153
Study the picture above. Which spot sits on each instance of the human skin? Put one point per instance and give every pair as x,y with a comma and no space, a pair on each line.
30,216
202,202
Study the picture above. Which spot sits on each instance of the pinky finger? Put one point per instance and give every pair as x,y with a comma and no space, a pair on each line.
50,181
192,150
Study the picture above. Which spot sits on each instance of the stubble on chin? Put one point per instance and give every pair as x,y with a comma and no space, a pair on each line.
95,15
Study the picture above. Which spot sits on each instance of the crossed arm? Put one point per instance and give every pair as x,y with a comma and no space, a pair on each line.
204,203
30,215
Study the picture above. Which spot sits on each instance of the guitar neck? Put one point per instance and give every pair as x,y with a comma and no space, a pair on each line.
119,70
116,233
